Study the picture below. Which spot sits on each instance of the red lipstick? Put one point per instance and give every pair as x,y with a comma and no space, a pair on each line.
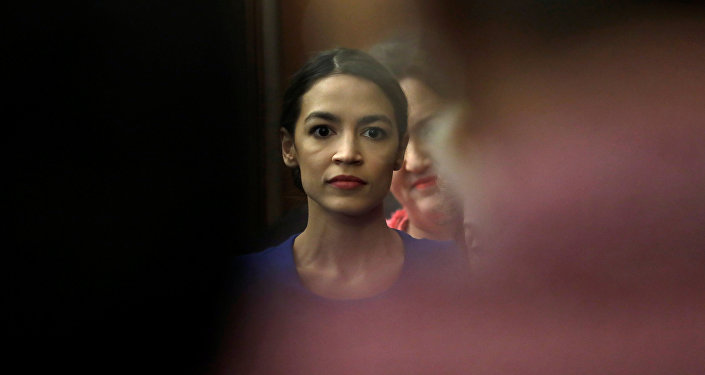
346,182
424,183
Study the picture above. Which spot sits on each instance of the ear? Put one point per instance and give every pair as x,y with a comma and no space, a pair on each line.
288,148
400,152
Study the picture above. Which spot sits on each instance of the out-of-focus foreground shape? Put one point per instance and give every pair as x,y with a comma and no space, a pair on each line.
579,154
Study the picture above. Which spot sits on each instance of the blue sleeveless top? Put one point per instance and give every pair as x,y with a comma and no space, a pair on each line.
279,326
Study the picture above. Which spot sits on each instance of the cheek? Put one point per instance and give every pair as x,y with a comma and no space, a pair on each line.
380,164
312,164
382,155
397,182
386,164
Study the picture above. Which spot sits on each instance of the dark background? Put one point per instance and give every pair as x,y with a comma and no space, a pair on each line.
134,152
140,164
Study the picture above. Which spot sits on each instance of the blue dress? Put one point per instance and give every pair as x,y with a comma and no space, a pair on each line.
279,326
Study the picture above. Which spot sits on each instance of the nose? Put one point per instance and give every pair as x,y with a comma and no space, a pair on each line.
415,159
348,151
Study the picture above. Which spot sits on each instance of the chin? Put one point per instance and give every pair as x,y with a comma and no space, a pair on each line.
431,204
351,207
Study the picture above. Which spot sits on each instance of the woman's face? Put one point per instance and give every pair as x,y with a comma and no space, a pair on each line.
346,144
415,184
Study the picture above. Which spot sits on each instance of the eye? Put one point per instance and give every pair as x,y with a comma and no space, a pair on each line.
374,133
424,130
423,133
320,131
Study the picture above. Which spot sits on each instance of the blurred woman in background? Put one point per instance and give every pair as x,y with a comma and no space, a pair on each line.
428,210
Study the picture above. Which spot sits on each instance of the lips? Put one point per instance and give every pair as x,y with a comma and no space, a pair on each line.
346,182
425,183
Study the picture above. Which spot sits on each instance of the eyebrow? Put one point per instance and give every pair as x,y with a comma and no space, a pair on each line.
323,116
369,119
429,118
425,122
374,118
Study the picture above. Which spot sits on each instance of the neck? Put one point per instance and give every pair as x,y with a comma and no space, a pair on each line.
348,257
436,232
342,239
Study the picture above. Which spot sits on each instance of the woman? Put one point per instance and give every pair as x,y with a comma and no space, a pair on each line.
324,300
427,209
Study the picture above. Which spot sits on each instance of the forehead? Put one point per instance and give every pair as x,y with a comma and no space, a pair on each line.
346,96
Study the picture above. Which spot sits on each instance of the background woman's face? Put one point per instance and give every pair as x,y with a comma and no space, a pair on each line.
347,144
415,185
